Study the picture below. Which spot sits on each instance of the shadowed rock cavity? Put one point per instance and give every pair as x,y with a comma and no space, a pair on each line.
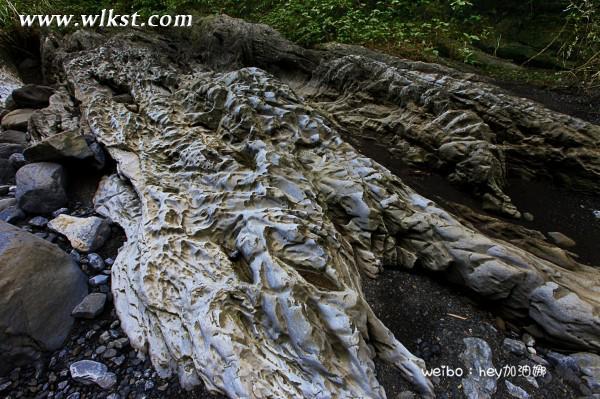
249,220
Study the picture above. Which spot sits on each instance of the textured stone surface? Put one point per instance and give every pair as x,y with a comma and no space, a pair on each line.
59,116
9,79
40,285
41,187
84,234
91,372
430,116
65,145
91,306
249,219
17,119
478,356
514,346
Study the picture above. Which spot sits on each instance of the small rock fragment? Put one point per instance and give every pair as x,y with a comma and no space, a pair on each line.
561,240
38,221
514,346
95,262
91,306
90,372
17,119
98,280
516,391
84,234
478,356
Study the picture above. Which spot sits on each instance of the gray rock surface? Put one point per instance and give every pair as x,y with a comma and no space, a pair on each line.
514,346
17,119
90,307
234,160
90,372
32,96
589,366
561,240
14,137
17,160
516,391
40,285
9,79
41,187
477,356
96,262
7,149
60,116
6,203
65,145
12,214
84,234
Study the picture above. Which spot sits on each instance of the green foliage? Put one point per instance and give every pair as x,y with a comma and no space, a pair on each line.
583,41
422,28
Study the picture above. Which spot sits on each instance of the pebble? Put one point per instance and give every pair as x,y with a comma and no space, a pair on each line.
514,346
90,372
61,211
119,360
516,391
104,337
98,280
38,221
95,262
109,354
91,306
528,339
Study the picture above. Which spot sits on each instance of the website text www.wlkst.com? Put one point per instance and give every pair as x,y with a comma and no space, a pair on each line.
106,19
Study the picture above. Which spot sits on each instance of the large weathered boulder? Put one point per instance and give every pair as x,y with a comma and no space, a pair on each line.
65,145
41,187
32,96
17,119
40,285
84,234
13,137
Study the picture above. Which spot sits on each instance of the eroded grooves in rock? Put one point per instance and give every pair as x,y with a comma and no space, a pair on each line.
473,130
249,221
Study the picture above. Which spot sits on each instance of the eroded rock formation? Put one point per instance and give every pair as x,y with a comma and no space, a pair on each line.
249,219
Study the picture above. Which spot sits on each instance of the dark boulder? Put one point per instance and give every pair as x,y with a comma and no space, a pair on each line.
40,285
17,119
13,137
32,96
41,187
